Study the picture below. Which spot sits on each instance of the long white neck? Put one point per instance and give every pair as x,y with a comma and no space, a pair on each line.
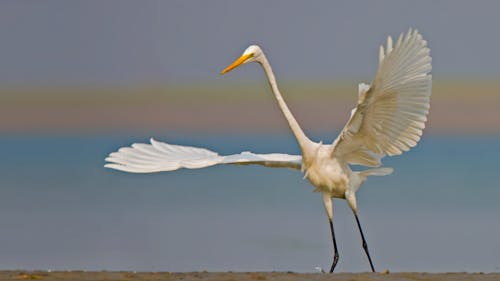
304,142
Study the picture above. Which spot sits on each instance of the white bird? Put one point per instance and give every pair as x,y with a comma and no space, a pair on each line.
387,120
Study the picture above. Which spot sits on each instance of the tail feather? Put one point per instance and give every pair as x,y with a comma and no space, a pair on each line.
384,171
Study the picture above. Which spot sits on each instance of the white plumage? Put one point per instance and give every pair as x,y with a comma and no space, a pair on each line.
387,120
162,157
391,113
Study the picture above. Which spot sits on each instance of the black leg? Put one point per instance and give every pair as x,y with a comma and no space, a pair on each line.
336,254
365,246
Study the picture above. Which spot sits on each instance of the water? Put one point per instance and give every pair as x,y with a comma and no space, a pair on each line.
60,209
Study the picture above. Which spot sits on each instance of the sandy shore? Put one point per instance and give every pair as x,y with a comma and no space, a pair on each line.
456,107
232,276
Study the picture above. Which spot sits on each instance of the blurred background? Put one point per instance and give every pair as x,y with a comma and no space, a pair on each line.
79,79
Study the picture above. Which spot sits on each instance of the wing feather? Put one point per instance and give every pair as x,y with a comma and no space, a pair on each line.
391,113
160,156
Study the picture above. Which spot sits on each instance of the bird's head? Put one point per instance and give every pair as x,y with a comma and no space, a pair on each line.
251,54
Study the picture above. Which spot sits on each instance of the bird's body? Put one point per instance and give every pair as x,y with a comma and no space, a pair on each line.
328,174
387,120
333,176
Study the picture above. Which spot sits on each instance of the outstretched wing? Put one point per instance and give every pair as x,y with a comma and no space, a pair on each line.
160,156
391,113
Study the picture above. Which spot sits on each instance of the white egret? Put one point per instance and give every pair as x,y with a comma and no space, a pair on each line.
387,120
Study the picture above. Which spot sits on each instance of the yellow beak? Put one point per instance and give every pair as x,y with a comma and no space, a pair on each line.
236,63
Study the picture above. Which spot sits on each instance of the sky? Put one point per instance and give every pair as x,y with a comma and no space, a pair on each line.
138,42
